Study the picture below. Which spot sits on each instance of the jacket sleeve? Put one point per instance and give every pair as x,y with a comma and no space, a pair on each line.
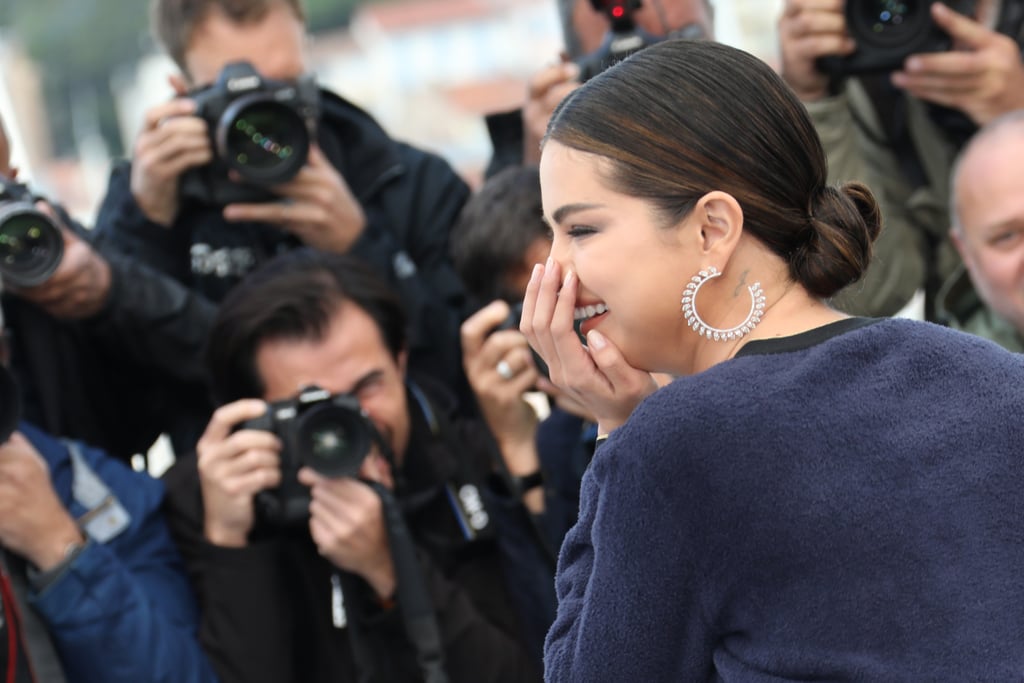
857,151
131,591
152,330
122,227
154,320
422,270
614,595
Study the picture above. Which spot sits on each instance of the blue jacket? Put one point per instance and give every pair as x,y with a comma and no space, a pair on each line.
122,610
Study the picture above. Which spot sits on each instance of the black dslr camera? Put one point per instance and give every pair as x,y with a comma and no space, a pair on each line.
259,128
31,243
324,431
624,37
889,31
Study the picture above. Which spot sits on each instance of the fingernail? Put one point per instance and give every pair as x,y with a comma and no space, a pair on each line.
569,275
913,64
571,70
550,262
537,268
596,340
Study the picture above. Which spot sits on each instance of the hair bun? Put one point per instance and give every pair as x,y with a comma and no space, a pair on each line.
844,223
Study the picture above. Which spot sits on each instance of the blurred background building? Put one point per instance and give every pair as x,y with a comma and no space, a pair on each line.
77,75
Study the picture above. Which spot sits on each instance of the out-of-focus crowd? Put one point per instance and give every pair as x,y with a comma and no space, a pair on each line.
373,472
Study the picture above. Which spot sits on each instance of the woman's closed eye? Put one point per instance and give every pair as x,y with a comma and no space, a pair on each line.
580,231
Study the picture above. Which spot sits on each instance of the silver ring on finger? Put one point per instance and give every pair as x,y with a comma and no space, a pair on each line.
504,370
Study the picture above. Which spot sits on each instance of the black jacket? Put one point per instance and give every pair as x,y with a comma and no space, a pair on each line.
124,376
267,608
411,199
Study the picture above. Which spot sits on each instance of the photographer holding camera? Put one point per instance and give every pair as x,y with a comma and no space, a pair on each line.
297,563
251,159
86,560
597,33
894,89
88,334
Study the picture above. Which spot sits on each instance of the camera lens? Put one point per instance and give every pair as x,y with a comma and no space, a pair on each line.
333,441
885,22
31,245
265,141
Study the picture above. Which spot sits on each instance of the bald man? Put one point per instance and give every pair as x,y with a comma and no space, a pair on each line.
987,211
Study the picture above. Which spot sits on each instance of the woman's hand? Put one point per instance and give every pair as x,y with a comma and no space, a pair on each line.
595,375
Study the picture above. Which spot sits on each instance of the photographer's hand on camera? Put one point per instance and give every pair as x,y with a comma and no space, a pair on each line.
983,77
596,375
79,287
544,91
347,524
500,370
172,141
511,419
318,207
233,467
33,522
809,29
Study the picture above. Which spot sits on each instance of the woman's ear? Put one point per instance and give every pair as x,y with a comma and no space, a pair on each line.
721,225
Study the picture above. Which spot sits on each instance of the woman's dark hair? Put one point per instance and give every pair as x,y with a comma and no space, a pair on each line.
682,118
292,297
495,229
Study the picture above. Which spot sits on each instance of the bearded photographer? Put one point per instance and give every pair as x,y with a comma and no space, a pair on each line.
296,563
344,185
88,334
896,121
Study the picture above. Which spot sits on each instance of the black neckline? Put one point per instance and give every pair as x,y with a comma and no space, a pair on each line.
804,340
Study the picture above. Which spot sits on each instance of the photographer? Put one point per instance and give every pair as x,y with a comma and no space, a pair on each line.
358,191
498,238
89,340
86,562
586,25
297,571
898,129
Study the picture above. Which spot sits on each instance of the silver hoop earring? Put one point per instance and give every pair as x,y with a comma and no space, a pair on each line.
694,320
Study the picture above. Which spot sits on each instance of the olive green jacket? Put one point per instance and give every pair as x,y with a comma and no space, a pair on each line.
856,146
960,307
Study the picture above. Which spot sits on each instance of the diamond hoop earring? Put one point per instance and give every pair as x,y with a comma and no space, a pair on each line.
694,320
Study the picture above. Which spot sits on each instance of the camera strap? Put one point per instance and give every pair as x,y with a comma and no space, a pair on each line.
412,598
465,497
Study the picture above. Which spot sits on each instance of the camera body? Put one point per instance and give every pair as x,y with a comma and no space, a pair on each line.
623,38
887,32
31,243
324,431
259,128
